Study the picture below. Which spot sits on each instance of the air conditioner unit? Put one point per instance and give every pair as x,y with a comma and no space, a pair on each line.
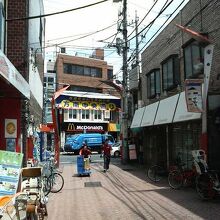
107,114
140,103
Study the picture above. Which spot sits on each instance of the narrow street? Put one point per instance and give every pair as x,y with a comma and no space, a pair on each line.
123,193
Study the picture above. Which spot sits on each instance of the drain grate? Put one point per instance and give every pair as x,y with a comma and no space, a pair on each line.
92,184
128,169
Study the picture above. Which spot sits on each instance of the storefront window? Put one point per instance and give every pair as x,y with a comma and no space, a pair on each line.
185,138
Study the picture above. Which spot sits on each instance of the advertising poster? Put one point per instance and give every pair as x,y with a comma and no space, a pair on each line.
10,128
10,144
10,165
193,92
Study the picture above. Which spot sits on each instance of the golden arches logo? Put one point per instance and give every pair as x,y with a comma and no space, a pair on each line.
71,127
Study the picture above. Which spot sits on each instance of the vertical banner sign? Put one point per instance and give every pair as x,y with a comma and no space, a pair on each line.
193,92
55,124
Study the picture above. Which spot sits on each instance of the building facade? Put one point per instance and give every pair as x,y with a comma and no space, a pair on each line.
88,105
178,54
21,73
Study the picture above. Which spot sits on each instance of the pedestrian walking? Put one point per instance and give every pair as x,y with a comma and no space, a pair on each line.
106,148
85,151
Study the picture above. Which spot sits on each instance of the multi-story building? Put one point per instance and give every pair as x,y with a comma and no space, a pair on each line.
89,105
175,55
49,90
21,44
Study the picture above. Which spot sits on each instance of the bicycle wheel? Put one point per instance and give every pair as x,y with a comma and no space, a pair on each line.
46,185
204,187
175,179
57,182
155,173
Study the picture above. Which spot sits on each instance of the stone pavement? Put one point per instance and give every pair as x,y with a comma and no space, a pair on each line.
124,193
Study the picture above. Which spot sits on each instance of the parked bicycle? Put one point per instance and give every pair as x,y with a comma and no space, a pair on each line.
53,180
181,177
157,172
207,181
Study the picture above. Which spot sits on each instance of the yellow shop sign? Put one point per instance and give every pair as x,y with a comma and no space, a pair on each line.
66,104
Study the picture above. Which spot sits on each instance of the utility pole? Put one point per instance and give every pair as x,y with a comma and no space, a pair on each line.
124,83
137,57
137,43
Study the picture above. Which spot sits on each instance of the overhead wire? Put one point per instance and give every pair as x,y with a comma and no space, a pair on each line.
79,38
149,27
55,13
162,10
160,27
144,17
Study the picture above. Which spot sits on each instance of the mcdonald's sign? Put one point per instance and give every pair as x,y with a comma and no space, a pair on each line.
71,127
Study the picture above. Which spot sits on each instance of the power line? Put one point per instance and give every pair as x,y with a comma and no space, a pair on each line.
144,17
55,13
162,10
79,38
159,28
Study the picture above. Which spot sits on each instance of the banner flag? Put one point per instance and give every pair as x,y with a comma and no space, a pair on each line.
193,93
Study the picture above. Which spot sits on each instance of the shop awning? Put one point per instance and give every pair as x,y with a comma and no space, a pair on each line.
149,114
113,127
138,115
166,110
181,111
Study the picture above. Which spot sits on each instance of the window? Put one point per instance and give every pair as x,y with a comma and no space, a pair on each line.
85,114
153,83
170,72
82,70
84,88
73,113
67,68
110,74
2,27
49,83
97,114
193,59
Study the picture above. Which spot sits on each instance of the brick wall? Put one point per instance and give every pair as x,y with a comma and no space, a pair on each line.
77,80
198,15
17,35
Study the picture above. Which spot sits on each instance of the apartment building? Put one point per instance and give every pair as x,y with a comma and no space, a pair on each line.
177,56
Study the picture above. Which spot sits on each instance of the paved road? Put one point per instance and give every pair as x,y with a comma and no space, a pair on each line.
124,193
